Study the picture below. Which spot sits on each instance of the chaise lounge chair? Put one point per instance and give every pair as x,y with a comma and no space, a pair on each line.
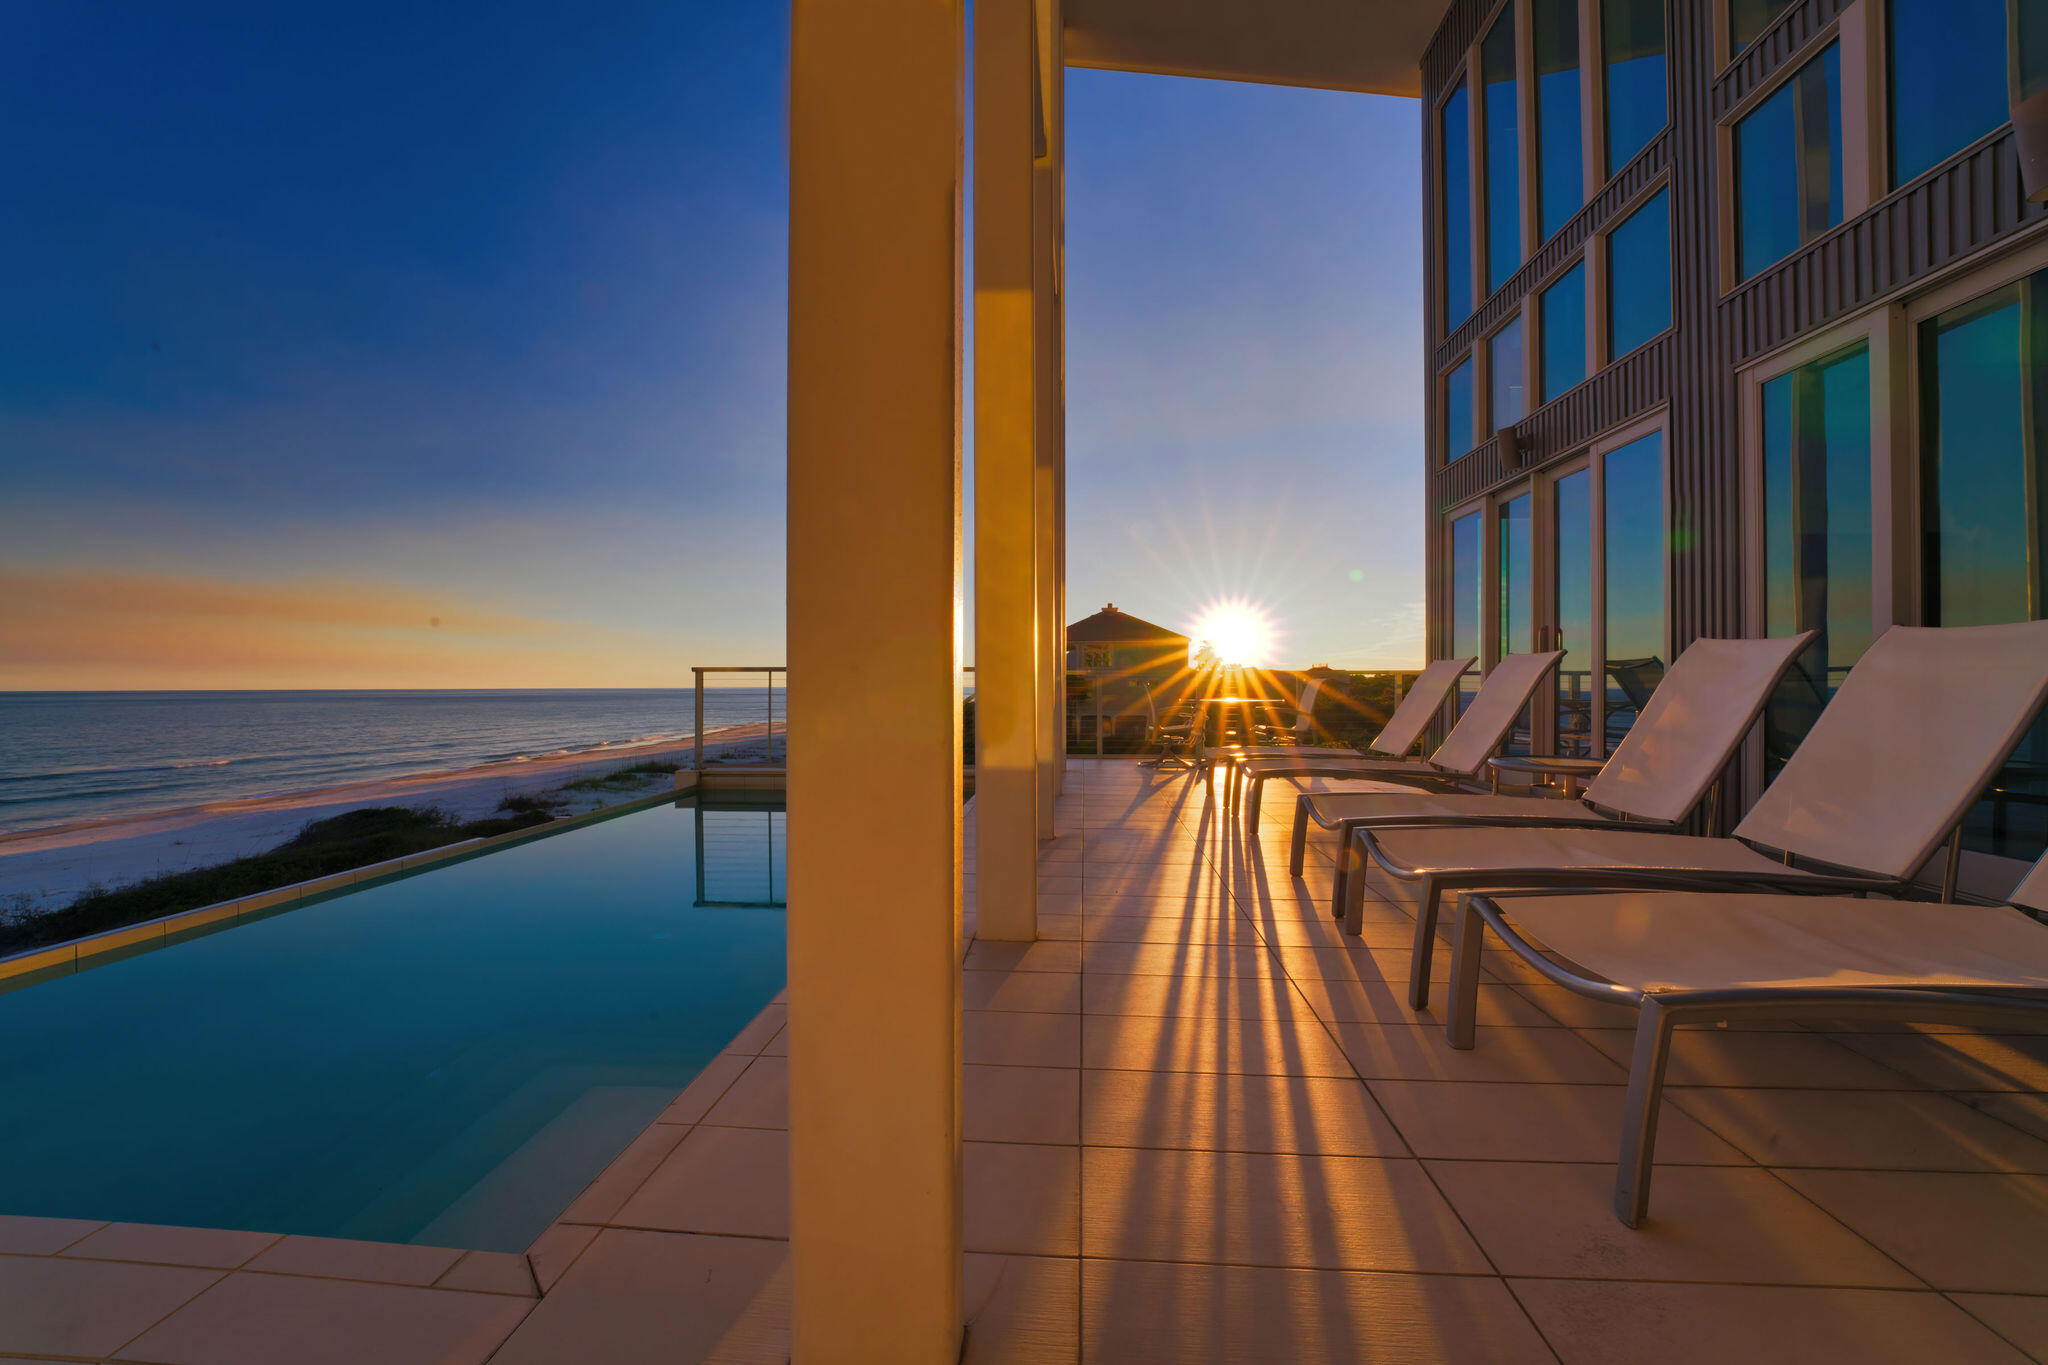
1883,779
1480,731
1293,742
1699,957
1425,697
1667,762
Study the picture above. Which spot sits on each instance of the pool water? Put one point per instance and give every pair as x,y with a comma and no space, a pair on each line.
445,1058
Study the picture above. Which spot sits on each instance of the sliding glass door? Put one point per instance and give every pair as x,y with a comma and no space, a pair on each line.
1572,603
1633,547
1983,410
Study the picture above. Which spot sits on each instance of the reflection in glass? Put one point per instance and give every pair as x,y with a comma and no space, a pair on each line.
1574,595
1816,533
1747,18
1788,165
1563,319
1948,79
1503,152
1639,277
1504,365
1560,157
1457,148
1632,44
1459,418
1984,426
1465,600
2030,48
1517,595
1633,526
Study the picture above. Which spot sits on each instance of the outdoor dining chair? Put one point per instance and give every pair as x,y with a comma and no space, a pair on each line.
1689,957
1179,743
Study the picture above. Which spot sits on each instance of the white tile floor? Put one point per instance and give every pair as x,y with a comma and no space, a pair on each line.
1204,1126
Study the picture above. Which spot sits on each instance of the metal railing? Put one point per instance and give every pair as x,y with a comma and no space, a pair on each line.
769,737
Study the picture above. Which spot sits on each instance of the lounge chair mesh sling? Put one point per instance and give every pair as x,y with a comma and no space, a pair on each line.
1424,698
1915,732
1684,957
1659,772
1477,736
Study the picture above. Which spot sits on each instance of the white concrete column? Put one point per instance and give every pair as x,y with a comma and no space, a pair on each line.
1006,664
874,732
1048,179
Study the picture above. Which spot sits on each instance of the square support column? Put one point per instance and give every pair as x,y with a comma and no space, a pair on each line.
874,675
1006,649
1048,183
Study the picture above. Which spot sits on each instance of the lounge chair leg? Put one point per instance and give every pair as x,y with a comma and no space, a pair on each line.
1425,949
1297,849
1340,885
1251,804
1461,1011
1353,888
1639,1117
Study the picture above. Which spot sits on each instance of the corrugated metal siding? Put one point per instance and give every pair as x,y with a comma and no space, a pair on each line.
1771,49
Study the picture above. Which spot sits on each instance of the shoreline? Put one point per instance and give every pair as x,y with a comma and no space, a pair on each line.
47,867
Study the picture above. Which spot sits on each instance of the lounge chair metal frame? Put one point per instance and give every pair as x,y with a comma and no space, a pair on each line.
1661,1012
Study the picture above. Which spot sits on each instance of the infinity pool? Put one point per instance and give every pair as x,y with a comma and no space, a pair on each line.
443,1058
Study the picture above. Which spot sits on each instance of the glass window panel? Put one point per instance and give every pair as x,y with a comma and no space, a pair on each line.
1948,79
1465,600
1747,18
1788,165
1984,426
1457,149
1503,152
1574,595
1639,277
2030,39
1632,46
1816,531
1517,597
1459,416
1504,364
1633,527
1563,316
1560,154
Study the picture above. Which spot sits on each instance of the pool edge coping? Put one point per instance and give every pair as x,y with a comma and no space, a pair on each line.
65,959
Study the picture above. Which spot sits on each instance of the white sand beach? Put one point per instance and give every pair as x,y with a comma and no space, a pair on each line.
53,865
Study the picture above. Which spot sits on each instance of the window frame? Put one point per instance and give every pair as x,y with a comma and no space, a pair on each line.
1592,41
1440,281
1444,457
1538,380
1601,287
1862,171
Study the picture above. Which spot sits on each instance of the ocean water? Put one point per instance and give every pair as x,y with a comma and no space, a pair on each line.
85,755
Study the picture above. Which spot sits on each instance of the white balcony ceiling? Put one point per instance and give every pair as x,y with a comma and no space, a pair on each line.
1374,46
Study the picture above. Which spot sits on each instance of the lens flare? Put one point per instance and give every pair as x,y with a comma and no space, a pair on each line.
1238,633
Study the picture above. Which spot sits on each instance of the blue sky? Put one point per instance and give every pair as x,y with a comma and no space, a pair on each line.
377,345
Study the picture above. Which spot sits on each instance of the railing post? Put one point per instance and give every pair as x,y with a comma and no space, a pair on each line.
697,760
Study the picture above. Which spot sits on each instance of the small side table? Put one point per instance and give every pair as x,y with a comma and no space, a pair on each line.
1571,773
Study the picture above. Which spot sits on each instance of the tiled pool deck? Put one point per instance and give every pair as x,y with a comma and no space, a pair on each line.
1203,1127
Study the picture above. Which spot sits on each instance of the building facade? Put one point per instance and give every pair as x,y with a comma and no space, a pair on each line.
1737,324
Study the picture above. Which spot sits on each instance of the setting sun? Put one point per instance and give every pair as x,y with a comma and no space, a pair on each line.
1240,634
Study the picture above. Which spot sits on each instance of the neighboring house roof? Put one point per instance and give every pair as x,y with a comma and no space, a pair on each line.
1112,626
